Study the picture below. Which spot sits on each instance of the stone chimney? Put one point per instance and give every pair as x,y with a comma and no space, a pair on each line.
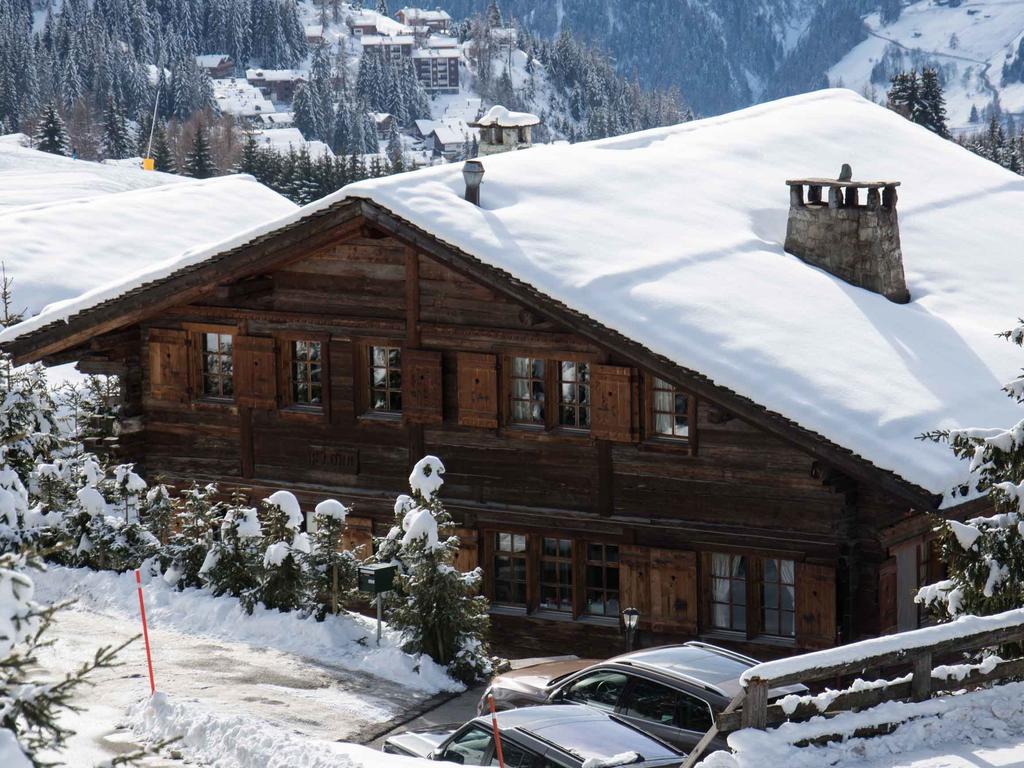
856,241
504,131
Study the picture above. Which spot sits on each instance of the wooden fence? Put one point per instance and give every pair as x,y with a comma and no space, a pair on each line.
915,651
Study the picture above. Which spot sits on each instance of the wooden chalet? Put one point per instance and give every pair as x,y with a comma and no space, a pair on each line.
587,472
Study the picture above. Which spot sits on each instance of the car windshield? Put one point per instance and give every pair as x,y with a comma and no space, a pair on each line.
602,739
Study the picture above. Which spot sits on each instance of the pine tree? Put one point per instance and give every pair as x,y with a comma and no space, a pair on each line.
984,556
283,580
334,572
394,146
233,566
116,142
382,7
974,114
433,604
197,514
51,134
933,104
163,157
199,161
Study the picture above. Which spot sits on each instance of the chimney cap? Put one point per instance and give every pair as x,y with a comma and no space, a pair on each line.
838,183
473,174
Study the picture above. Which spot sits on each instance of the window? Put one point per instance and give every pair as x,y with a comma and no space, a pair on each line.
556,575
670,410
385,379
574,395
306,373
694,713
778,597
217,365
600,689
651,701
602,579
469,748
515,756
510,568
527,391
729,592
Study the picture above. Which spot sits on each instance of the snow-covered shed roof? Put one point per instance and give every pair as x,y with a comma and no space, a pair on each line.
673,238
30,177
235,96
55,251
506,118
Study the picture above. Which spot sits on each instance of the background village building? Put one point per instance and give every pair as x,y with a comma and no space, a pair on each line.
238,97
277,84
654,407
216,65
436,21
503,131
437,69
277,120
395,48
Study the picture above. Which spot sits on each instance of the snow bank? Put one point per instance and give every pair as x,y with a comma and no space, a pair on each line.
937,728
233,741
346,641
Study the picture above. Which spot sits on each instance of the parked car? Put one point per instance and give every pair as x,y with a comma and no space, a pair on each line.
672,691
562,736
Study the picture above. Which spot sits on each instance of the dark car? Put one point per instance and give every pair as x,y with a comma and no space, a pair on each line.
564,736
672,692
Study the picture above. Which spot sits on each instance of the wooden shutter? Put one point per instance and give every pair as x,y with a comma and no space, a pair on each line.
255,372
887,602
478,390
634,579
421,386
468,557
674,603
815,605
612,413
168,365
358,533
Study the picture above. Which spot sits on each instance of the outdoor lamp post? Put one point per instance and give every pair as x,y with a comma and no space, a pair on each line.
630,618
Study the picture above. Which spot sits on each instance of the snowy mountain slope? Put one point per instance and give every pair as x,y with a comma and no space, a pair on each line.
969,44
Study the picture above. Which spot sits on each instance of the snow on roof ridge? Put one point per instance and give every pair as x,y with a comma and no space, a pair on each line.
505,117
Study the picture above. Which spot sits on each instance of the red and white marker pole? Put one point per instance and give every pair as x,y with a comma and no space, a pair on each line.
145,632
497,733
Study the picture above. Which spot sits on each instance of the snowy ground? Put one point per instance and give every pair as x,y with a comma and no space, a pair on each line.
245,692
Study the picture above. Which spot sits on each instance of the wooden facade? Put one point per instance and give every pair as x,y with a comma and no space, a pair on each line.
658,490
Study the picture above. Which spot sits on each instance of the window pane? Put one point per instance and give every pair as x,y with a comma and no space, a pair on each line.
568,371
537,368
550,546
505,542
600,689
662,401
611,553
520,389
663,423
650,701
519,542
380,356
225,341
521,366
788,598
520,411
565,547
394,357
739,617
470,748
395,402
694,714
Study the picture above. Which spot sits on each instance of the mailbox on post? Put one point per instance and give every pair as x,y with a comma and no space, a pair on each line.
376,579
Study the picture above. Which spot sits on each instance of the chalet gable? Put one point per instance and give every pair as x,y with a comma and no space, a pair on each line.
243,269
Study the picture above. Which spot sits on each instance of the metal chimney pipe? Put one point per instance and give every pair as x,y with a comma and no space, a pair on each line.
473,173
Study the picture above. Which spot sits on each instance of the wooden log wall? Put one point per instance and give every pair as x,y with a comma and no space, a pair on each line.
741,490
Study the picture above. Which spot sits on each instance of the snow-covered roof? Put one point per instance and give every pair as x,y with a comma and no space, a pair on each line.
455,131
314,30
436,53
56,250
30,177
278,119
283,139
384,25
211,60
673,237
498,115
275,75
441,41
235,96
374,40
423,15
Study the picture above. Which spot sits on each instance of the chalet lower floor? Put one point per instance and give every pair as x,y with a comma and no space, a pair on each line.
558,582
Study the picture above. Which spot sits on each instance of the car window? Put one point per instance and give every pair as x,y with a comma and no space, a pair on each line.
515,757
694,713
651,701
469,748
601,689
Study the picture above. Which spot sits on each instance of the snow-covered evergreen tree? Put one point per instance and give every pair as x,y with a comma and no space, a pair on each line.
233,566
434,604
333,571
283,582
51,134
116,141
984,556
197,515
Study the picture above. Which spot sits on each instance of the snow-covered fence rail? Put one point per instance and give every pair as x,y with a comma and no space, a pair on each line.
916,649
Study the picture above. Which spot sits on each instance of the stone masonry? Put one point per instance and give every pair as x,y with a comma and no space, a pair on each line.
858,243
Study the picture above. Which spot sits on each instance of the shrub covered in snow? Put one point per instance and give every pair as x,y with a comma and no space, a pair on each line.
333,571
234,564
283,583
198,513
434,603
985,555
